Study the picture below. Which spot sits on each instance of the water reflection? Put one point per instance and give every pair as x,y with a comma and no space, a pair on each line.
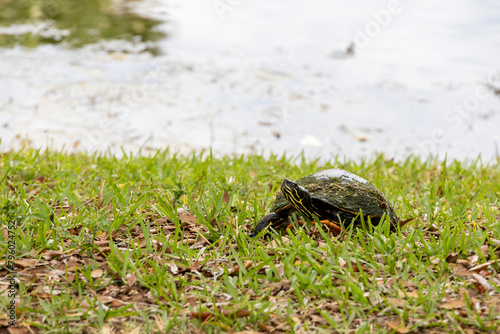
73,23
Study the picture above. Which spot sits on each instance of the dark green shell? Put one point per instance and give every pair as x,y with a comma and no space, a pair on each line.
345,191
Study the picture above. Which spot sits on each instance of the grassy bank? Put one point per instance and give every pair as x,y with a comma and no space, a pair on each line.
151,244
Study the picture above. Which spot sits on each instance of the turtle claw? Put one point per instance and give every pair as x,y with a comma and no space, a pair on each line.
334,228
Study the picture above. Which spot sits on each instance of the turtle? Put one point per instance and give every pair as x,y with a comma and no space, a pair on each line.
335,197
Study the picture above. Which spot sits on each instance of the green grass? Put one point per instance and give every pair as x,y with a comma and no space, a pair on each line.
106,243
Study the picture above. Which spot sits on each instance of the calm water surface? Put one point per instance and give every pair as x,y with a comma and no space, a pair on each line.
326,78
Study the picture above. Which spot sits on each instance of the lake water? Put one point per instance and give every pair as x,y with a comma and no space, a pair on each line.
325,78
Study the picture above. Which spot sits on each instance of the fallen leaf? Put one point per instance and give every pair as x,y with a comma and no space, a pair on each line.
105,299
164,220
136,330
238,314
192,301
50,254
131,279
173,267
281,270
483,265
84,304
228,313
56,272
201,315
482,282
71,277
452,257
17,330
195,266
495,242
236,269
225,197
473,259
465,263
189,241
26,262
399,328
404,222
264,327
318,320
160,324
97,273
464,293
42,295
35,191
70,266
453,304
432,228
460,270
412,294
106,330
104,250
188,218
396,302
117,303
355,268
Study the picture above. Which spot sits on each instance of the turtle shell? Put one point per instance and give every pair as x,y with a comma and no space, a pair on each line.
344,191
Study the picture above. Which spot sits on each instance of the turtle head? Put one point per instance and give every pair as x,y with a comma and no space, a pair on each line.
299,197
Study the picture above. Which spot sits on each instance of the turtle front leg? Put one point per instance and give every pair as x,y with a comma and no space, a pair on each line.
289,226
334,228
273,220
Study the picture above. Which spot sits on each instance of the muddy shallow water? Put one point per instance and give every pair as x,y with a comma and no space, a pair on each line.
240,77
